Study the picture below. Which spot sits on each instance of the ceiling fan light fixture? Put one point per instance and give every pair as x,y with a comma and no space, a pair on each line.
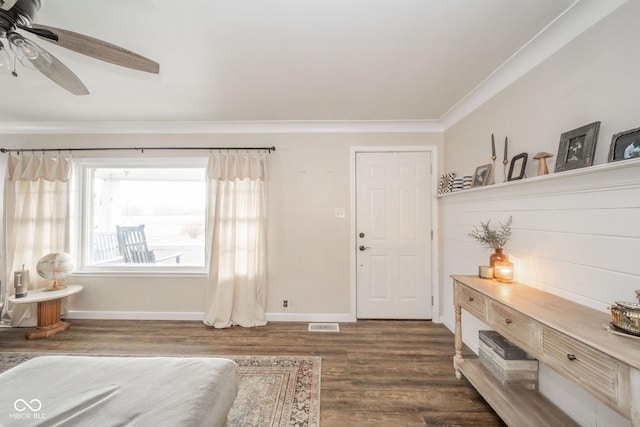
27,51
6,63
21,14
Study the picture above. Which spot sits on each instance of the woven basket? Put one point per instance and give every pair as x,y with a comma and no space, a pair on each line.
626,317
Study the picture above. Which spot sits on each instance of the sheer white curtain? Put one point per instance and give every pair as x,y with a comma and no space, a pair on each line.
36,222
236,291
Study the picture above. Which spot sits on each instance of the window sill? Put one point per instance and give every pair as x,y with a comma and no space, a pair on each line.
141,272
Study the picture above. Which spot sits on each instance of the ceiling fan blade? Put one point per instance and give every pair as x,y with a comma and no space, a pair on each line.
29,52
40,32
59,74
95,48
7,4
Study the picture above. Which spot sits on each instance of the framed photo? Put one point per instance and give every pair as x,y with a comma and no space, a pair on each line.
481,176
446,183
517,168
625,145
577,147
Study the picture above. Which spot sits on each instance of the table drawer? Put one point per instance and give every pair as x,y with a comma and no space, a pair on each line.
514,325
473,301
594,370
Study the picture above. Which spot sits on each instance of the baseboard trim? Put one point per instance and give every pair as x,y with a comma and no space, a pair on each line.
448,324
310,317
176,315
134,315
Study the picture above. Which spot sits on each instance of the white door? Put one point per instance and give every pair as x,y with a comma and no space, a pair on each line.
393,242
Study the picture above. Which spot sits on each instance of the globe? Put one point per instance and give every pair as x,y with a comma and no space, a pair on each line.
56,265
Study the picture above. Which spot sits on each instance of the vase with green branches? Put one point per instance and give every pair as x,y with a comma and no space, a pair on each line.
493,237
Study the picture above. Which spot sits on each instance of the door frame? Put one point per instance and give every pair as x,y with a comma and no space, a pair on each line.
435,274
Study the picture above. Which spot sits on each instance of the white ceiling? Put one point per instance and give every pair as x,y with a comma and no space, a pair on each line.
278,60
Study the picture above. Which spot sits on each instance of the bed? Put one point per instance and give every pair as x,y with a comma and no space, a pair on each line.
116,391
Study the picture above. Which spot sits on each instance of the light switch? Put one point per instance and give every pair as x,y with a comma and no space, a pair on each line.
341,213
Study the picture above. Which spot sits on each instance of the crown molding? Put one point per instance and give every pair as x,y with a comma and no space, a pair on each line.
577,19
168,127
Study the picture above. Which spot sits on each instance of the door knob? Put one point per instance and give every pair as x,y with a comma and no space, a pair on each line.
363,248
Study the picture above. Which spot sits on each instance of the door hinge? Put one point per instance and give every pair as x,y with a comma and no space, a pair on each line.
431,234
432,300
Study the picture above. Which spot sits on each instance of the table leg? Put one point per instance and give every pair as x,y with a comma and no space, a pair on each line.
457,358
49,322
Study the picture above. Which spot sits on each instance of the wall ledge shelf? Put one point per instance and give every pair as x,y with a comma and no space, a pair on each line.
613,170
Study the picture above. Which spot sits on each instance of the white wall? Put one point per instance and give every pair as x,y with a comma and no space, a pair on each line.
573,233
309,249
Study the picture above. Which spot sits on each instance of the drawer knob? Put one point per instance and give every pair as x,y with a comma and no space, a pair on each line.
508,321
571,356
470,299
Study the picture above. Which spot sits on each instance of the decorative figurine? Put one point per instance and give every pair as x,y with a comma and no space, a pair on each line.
505,162
493,159
542,162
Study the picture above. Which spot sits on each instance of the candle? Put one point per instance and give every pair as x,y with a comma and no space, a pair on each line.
505,147
493,146
485,272
503,271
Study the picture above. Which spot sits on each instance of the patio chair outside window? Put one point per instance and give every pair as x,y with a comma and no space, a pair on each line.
105,248
132,242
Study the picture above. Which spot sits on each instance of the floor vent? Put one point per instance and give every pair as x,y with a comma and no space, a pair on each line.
324,327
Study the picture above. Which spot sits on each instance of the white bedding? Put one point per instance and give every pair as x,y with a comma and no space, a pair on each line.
118,391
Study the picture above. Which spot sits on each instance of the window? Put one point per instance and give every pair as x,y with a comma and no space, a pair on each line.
139,214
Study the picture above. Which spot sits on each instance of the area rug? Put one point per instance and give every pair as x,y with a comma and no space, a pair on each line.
274,391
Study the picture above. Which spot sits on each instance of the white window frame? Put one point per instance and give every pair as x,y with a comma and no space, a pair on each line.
82,210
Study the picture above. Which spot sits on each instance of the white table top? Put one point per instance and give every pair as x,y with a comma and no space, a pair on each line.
38,295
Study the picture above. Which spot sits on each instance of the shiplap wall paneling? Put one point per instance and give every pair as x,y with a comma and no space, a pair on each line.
575,234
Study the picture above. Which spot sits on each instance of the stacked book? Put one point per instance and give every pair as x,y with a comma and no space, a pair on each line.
458,184
467,180
511,366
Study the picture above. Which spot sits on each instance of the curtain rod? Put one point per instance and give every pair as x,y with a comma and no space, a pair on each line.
141,149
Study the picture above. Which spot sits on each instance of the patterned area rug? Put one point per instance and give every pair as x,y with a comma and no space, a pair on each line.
274,391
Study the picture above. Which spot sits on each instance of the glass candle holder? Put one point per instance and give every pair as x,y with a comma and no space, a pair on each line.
504,271
485,272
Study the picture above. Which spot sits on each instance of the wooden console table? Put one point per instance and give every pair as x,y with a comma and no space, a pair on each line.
49,302
566,336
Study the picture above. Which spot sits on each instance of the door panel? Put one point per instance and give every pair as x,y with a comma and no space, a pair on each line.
393,210
378,217
408,279
379,282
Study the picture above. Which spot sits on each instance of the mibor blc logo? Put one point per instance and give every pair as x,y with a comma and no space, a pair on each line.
27,410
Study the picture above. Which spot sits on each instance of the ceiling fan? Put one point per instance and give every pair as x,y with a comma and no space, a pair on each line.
20,15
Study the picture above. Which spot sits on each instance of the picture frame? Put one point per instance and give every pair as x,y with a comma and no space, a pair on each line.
518,165
625,145
481,175
577,147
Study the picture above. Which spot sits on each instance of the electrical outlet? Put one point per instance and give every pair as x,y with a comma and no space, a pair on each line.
285,303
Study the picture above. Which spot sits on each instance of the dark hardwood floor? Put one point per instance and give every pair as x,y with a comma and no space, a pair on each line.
374,373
